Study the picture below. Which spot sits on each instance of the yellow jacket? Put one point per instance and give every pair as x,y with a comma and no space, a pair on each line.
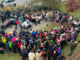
3,40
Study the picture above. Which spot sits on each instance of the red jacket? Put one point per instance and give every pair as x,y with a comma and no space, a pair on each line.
19,44
36,35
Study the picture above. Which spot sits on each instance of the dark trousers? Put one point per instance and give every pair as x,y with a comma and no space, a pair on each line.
23,58
14,50
61,22
71,52
10,49
1,51
55,57
3,19
19,50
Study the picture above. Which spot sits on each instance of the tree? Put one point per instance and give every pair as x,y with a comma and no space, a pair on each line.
72,5
51,4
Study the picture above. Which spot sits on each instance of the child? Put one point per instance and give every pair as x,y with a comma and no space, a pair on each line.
59,50
14,47
10,46
6,46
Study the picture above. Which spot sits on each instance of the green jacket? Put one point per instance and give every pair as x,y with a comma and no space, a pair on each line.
21,20
10,45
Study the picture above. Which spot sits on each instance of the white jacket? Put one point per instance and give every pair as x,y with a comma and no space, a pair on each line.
25,24
31,56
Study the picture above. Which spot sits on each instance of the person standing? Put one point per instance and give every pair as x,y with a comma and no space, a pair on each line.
31,55
3,16
36,21
61,57
16,22
38,55
72,48
18,45
8,13
21,21
24,53
44,57
1,47
10,46
14,47
6,46
57,18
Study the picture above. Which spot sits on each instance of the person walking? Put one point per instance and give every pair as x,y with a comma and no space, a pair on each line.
72,48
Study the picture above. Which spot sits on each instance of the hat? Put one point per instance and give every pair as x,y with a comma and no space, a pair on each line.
38,50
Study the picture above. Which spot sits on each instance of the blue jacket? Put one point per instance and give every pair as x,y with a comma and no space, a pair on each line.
33,34
59,51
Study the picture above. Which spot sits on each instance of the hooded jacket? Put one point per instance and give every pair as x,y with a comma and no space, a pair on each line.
31,56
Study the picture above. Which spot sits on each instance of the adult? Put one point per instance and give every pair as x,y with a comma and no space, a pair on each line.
8,13
61,57
31,55
1,47
24,53
38,55
21,21
18,45
17,13
16,22
73,46
44,57
3,16
33,34
14,47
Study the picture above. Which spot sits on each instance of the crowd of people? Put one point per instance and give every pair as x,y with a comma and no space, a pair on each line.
42,44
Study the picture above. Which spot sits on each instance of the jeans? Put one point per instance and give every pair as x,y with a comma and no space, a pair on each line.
6,49
51,19
46,19
16,27
62,22
35,22
43,19
21,28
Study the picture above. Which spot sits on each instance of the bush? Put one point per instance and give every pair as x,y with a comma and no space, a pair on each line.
20,7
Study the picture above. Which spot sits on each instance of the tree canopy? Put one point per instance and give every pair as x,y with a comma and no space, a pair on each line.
72,5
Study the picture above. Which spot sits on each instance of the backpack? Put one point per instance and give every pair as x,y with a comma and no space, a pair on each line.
16,22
